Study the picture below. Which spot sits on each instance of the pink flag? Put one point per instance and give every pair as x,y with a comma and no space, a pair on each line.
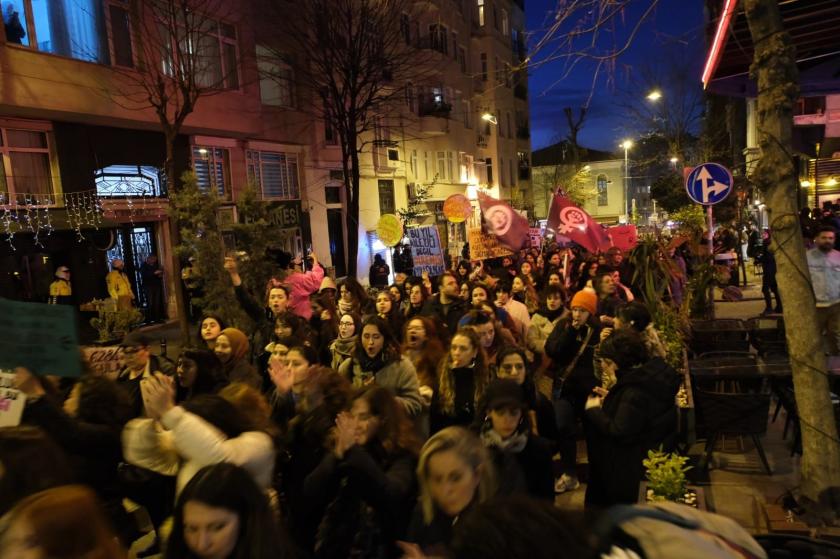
510,228
564,218
624,237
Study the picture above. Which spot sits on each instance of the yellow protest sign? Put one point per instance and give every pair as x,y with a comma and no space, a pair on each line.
389,229
484,246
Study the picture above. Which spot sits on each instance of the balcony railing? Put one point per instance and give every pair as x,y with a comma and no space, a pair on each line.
440,109
481,141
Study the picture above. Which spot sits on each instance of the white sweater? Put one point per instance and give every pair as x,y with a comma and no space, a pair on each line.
190,443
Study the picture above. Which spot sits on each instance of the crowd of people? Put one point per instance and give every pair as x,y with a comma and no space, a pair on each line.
402,421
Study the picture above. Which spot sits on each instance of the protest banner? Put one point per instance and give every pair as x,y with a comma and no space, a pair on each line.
624,237
426,250
40,337
484,246
389,229
105,361
535,234
12,401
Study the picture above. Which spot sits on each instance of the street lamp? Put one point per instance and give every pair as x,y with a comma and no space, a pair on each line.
489,117
654,95
626,144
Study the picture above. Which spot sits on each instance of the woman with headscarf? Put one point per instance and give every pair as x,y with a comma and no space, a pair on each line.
232,350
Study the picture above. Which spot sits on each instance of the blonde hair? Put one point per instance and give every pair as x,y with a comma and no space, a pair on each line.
446,382
468,447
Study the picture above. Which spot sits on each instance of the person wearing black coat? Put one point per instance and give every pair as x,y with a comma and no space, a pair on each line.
636,415
88,430
366,485
523,460
572,346
446,307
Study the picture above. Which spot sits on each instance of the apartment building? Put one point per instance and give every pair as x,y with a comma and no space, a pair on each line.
463,126
70,143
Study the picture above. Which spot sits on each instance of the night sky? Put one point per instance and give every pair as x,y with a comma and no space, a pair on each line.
676,26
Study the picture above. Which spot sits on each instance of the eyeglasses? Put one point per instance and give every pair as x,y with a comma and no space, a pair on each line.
346,324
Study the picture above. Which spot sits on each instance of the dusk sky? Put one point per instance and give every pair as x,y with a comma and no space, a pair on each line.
676,27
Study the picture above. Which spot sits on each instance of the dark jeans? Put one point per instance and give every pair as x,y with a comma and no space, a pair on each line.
768,286
568,408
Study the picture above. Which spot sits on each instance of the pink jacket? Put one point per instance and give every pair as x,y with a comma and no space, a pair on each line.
300,287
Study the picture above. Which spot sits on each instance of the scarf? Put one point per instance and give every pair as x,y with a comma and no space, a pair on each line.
514,443
345,346
371,364
551,315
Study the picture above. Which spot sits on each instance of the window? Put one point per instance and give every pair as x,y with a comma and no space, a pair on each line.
512,172
276,79
439,38
484,70
488,162
505,23
332,194
127,180
427,171
499,128
508,75
502,174
450,166
500,71
275,173
467,114
26,164
387,204
335,227
393,154
441,165
602,186
480,13
405,28
454,45
413,164
410,99
462,59
509,135
120,34
214,55
212,168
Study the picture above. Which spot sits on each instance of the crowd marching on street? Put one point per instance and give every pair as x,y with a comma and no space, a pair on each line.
429,417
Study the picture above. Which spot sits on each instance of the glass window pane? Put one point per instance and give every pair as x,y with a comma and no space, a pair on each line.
73,28
231,73
208,63
121,31
31,172
27,139
227,30
14,20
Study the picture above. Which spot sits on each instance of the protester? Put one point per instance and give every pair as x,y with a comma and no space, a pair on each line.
399,297
768,279
636,415
377,360
366,485
518,311
446,307
387,311
524,292
222,513
513,365
88,430
422,346
232,350
152,275
485,327
455,474
140,364
199,372
545,318
205,430
352,297
380,272
416,300
462,380
210,326
323,325
572,346
60,523
523,460
341,349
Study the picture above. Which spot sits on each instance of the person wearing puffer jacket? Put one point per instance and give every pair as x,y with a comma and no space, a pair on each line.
180,440
377,360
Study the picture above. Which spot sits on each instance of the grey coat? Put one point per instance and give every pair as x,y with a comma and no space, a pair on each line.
399,376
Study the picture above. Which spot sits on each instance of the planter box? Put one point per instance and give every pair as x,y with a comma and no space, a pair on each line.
696,489
781,521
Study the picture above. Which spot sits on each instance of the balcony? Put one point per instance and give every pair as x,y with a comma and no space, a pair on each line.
437,42
520,91
439,109
481,141
434,118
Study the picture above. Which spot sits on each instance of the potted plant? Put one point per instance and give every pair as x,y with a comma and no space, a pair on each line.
666,480
113,323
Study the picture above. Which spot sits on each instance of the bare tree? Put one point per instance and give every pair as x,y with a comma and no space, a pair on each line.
178,60
774,68
356,57
575,124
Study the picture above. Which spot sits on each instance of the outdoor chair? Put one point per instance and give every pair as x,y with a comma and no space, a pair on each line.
718,335
767,334
740,414
726,372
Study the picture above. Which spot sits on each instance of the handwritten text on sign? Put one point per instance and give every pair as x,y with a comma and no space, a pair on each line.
426,250
484,246
104,361
11,401
39,337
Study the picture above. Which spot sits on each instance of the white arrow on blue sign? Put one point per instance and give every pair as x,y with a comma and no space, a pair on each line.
709,183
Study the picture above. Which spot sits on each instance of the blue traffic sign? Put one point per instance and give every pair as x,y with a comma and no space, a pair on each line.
709,183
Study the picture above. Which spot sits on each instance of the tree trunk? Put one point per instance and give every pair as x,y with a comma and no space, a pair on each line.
174,259
774,68
353,209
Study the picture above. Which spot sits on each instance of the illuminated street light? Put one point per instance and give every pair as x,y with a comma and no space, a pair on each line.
805,184
489,117
626,144
674,160
654,95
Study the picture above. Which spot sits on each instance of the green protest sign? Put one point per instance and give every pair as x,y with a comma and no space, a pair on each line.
39,337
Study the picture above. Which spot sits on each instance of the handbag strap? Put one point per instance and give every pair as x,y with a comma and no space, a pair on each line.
580,351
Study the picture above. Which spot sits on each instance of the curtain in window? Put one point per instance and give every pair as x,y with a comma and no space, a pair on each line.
74,28
31,172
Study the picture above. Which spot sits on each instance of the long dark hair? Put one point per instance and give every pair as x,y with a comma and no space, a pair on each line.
222,325
209,376
390,348
232,488
222,414
395,431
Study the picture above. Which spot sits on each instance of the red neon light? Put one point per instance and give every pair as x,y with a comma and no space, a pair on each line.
719,41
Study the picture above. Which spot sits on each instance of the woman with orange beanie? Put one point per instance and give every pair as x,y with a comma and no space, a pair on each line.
572,346
232,349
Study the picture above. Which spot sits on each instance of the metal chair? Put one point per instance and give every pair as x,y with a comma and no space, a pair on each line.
743,414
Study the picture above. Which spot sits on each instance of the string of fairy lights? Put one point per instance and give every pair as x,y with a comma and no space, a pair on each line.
33,213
